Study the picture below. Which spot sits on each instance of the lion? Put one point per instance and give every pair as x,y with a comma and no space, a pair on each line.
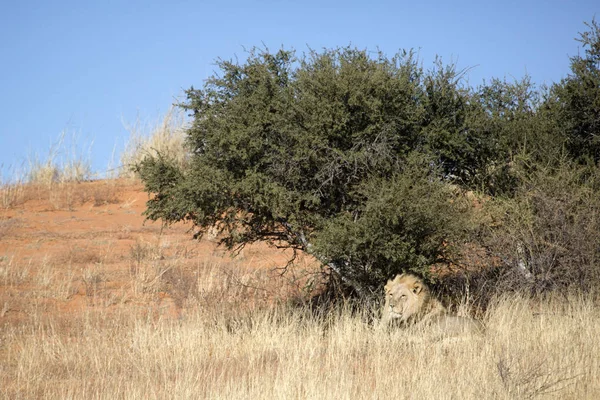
408,301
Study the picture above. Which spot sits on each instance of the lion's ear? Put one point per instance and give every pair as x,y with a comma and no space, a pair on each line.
417,288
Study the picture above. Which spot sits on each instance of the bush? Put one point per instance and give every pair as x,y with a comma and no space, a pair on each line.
404,223
360,160
548,237
326,154
575,101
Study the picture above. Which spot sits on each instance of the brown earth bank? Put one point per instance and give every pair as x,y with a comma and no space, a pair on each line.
79,247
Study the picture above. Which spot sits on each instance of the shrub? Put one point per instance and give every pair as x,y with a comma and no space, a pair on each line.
548,233
326,154
575,101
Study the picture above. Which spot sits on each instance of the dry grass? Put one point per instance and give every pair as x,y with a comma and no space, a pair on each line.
10,273
52,177
220,347
166,137
234,335
64,195
55,176
66,161
12,192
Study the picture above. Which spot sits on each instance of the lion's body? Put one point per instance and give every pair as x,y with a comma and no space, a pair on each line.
408,301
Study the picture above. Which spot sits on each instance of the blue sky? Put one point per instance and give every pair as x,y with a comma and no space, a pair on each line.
84,67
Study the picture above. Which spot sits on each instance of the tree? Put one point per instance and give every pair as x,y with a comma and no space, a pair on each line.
504,122
325,154
459,150
575,101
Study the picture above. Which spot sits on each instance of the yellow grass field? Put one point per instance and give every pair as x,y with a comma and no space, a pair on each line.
95,304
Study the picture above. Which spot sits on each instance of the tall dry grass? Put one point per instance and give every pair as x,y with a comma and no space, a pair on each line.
55,176
66,161
12,190
167,137
221,348
52,176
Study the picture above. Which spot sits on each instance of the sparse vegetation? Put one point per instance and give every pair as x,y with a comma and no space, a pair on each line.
12,193
65,162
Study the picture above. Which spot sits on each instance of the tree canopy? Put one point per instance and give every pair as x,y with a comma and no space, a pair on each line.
359,158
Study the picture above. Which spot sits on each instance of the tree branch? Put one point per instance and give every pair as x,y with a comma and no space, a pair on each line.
308,248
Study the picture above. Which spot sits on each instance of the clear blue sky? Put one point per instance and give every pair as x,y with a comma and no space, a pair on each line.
86,66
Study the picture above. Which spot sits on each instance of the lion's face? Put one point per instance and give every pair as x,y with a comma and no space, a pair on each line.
404,297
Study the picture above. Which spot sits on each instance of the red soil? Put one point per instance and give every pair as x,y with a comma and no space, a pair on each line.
77,247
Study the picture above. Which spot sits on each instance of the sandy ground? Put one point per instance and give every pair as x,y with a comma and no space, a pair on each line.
87,246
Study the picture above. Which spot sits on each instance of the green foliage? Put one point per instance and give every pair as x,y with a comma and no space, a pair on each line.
401,223
307,152
458,149
360,159
576,99
510,135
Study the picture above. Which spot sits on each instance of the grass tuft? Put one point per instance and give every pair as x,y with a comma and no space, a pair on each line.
166,137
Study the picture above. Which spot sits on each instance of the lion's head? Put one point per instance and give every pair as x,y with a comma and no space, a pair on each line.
409,301
407,298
